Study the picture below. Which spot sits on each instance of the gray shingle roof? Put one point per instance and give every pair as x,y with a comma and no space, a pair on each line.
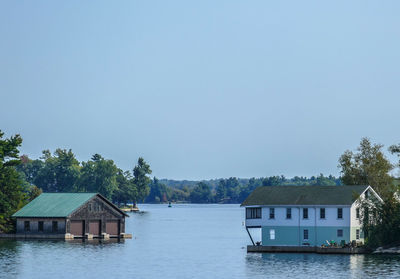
304,195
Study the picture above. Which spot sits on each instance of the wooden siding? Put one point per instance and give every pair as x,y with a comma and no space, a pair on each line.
97,210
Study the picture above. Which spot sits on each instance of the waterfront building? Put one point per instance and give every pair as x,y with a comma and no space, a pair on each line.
70,215
306,215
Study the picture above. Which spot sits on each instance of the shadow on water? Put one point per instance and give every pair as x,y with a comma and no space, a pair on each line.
9,258
375,266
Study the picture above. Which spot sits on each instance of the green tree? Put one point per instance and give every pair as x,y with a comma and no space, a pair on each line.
381,221
395,149
201,194
368,166
98,175
34,192
126,190
158,192
250,187
12,196
141,179
60,172
274,181
29,168
228,190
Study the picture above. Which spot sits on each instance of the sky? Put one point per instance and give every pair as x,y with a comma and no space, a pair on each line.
202,89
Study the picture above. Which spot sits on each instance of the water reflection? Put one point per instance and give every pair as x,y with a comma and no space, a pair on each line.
280,265
185,241
9,258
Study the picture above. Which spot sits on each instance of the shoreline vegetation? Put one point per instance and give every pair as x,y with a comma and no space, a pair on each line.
23,178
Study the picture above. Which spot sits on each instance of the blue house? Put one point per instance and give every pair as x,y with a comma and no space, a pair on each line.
306,215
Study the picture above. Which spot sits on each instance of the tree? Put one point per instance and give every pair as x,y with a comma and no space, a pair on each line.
395,149
381,221
201,194
60,172
12,196
158,192
228,189
98,175
141,179
368,166
29,168
126,190
250,187
274,180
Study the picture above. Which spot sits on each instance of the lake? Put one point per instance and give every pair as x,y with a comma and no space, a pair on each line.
185,241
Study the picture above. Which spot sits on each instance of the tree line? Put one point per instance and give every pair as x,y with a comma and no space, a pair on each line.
229,190
61,172
22,179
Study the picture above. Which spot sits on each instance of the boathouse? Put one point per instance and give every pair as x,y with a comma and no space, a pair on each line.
306,215
70,215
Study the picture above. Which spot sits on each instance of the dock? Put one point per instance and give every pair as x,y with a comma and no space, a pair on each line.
66,236
307,249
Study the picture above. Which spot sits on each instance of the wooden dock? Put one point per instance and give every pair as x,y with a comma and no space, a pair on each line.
307,249
66,236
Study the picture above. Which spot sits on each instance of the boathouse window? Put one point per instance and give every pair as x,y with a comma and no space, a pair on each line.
357,234
27,226
253,213
322,213
305,213
40,226
357,213
305,234
272,213
339,233
340,213
288,213
272,234
55,226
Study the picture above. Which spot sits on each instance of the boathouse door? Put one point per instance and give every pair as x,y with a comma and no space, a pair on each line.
112,227
94,227
77,228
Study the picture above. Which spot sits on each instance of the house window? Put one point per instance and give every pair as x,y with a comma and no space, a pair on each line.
305,234
27,226
357,213
357,234
366,194
322,213
55,226
305,213
253,213
272,213
272,234
340,213
40,226
288,213
339,233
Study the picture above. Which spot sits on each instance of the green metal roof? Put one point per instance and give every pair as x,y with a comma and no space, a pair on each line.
54,205
304,195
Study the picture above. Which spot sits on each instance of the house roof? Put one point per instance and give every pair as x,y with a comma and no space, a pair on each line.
304,195
57,205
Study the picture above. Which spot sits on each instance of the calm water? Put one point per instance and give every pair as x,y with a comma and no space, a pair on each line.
185,241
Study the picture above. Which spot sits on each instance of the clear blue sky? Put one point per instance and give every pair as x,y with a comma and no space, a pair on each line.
202,89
